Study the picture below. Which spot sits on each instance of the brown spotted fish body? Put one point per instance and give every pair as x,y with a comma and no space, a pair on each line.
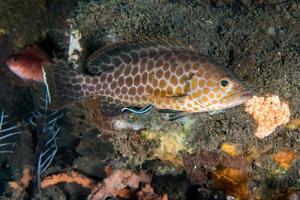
162,72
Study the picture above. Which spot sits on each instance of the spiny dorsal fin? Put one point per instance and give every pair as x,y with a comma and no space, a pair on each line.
140,43
107,58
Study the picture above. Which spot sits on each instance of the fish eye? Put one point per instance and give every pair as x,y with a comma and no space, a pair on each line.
224,82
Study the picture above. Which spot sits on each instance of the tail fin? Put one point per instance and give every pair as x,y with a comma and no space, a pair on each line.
63,84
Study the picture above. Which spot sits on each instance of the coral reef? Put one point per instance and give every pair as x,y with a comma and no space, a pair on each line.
116,184
293,124
23,183
233,182
278,184
231,149
199,165
268,113
119,179
235,176
284,158
170,145
73,177
147,193
19,187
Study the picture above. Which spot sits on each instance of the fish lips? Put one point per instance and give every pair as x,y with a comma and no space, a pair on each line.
247,95
237,98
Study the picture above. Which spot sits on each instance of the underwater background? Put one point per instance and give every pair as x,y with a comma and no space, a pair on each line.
249,151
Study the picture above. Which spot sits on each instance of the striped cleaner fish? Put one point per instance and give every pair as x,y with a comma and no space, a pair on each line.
160,72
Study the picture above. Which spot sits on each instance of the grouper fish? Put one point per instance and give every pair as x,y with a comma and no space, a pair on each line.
160,72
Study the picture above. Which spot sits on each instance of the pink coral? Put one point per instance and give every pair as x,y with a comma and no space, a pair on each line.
118,180
268,112
73,177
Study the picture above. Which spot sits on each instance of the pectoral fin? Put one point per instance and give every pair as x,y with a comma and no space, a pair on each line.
172,115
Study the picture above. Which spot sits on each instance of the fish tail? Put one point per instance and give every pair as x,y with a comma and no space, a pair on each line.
63,84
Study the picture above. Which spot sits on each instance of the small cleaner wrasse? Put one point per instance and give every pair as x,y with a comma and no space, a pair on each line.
160,72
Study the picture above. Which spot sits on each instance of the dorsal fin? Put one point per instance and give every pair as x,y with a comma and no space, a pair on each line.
139,44
108,58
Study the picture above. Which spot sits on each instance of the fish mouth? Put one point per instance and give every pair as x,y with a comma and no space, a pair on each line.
247,94
239,97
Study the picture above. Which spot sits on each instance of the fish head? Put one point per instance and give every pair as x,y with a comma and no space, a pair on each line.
220,88
14,62
17,64
30,57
